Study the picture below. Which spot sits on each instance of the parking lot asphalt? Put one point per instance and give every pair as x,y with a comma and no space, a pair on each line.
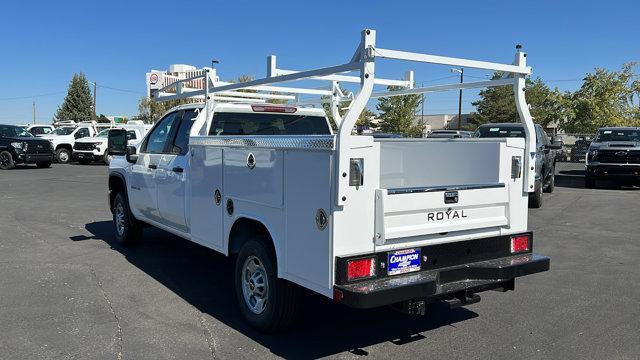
67,291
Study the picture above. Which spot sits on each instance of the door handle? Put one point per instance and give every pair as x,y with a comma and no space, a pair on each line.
177,169
153,166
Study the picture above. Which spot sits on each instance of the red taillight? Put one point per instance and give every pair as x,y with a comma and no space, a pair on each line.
361,268
275,109
519,244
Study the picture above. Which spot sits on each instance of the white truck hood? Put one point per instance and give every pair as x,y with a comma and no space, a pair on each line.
92,139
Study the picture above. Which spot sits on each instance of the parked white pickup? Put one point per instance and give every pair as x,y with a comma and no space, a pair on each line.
365,222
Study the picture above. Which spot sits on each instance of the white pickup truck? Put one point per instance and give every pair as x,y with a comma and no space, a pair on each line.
63,138
94,148
366,222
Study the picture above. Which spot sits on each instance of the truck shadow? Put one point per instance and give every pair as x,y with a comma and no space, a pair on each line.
575,179
204,278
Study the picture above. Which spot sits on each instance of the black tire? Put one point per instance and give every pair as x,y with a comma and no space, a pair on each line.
84,161
589,182
63,155
131,229
43,164
283,298
6,161
551,183
535,198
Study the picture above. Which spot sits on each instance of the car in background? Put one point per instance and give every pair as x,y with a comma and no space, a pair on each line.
89,149
545,155
38,130
449,134
561,153
385,135
614,154
63,138
18,146
579,149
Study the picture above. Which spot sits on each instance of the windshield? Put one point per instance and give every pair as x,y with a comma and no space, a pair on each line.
103,134
498,131
63,131
13,131
618,135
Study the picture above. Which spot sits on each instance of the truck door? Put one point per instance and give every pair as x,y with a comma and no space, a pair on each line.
172,174
144,191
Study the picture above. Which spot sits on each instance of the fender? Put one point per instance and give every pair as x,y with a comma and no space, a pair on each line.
115,174
276,241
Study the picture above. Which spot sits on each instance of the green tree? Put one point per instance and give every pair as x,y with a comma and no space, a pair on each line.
103,119
397,114
78,103
606,98
497,104
150,110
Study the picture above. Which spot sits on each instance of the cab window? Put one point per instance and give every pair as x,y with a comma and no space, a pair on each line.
157,140
82,132
181,141
131,135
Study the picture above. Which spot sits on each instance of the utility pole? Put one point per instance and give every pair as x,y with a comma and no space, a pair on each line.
460,100
95,86
34,113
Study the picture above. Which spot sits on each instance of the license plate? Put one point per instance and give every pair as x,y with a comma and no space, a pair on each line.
403,261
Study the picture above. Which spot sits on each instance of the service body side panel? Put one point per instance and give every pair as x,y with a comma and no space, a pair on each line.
307,190
205,214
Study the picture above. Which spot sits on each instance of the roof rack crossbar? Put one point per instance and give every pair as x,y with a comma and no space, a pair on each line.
443,60
445,87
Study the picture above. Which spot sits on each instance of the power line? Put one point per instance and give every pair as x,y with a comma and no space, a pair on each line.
32,96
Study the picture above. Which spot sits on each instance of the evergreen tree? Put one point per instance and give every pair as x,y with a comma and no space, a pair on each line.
397,114
78,104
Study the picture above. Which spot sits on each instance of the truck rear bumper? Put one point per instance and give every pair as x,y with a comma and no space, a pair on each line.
436,284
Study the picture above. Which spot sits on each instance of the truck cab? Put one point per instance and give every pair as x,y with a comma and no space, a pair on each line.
63,138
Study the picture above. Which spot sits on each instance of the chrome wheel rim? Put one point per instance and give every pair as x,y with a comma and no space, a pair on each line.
119,219
63,156
255,286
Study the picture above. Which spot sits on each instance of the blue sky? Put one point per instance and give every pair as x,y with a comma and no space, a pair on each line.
116,42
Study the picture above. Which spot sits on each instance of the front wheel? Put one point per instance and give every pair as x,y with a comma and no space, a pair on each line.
128,229
6,161
106,157
63,156
267,303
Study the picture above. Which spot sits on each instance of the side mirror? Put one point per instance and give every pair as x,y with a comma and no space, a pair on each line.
117,143
132,156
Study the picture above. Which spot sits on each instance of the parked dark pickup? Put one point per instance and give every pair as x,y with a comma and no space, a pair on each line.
545,155
614,154
18,146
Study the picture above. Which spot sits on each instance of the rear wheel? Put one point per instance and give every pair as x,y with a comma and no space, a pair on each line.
551,183
267,303
535,198
43,164
63,156
128,229
6,161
